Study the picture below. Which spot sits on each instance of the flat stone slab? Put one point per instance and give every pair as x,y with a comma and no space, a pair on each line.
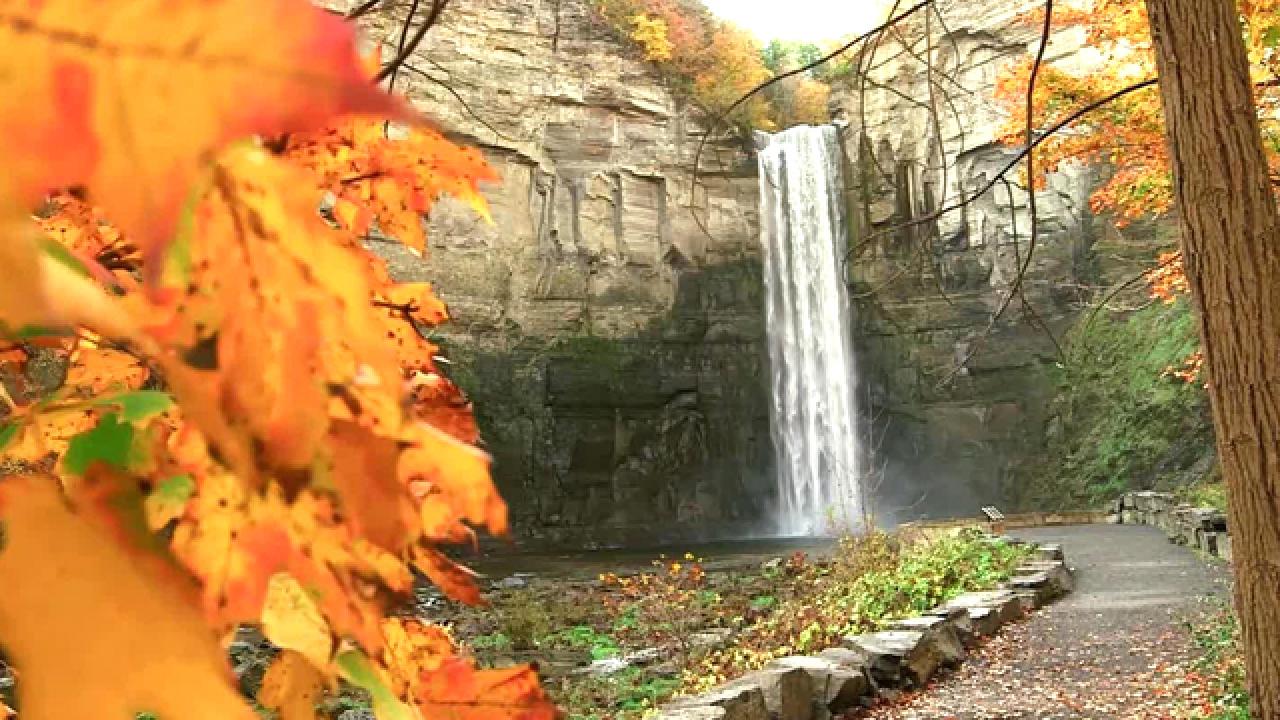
737,700
915,655
788,691
1003,603
882,653
701,712
1050,551
837,686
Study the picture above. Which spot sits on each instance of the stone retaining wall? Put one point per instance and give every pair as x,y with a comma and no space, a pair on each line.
1198,527
907,653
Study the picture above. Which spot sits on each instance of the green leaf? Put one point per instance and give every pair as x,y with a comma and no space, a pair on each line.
139,406
1271,36
59,252
355,668
110,442
8,431
177,489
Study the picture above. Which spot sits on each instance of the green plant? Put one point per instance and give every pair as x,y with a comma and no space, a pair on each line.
872,579
492,641
1221,665
1124,423
584,637
523,620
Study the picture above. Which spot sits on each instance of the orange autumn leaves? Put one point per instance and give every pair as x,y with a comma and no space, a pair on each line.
232,371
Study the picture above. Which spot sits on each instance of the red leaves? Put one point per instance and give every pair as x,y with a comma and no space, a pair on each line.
459,692
315,452
128,100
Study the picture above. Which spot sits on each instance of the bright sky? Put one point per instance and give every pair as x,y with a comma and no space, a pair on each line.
809,20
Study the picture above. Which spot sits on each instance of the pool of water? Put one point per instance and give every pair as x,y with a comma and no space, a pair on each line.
496,563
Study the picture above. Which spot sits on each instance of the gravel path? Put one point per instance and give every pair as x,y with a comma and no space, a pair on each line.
1117,647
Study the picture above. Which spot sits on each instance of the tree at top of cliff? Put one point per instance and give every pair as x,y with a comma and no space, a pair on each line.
1127,134
713,63
215,406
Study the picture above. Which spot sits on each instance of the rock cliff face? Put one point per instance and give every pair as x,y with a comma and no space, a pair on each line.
959,399
613,349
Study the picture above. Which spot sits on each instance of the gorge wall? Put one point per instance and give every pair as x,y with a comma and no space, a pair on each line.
959,400
613,349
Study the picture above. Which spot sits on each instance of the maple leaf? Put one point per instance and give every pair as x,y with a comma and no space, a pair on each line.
291,620
393,177
41,291
459,692
77,601
127,99
291,686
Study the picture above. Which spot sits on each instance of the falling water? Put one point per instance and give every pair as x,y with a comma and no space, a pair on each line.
815,429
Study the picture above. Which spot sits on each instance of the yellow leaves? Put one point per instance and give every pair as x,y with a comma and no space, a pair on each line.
313,437
421,659
390,175
127,99
364,472
291,686
77,604
291,620
41,291
459,692
651,33
437,464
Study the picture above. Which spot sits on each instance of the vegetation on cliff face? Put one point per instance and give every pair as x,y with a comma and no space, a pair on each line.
1122,421
713,63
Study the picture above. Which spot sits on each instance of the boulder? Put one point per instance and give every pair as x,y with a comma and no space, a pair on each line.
940,647
1209,541
1028,600
959,617
1060,579
983,621
1209,519
1036,582
892,656
738,701
788,691
1049,551
1003,603
836,686
881,653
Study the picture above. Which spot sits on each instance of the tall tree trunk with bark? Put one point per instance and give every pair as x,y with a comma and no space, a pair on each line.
1231,243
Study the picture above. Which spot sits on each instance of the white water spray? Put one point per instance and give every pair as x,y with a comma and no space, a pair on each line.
813,418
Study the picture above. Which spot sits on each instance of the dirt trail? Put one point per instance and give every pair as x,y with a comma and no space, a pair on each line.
1117,647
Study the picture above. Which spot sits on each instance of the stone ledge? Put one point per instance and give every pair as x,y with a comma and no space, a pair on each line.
907,654
1197,527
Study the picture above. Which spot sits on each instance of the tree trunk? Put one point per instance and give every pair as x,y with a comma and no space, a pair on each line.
1231,243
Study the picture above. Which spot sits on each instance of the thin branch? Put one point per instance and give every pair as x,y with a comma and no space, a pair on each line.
723,115
437,7
1015,160
400,44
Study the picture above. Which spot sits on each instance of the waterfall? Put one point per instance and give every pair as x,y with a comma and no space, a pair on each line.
813,419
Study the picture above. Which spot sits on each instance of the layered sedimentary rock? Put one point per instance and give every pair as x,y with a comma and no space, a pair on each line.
613,348
959,399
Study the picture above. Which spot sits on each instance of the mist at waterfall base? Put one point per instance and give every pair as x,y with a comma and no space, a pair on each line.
813,417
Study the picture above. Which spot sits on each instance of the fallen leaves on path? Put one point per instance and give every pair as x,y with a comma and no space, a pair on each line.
1031,670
